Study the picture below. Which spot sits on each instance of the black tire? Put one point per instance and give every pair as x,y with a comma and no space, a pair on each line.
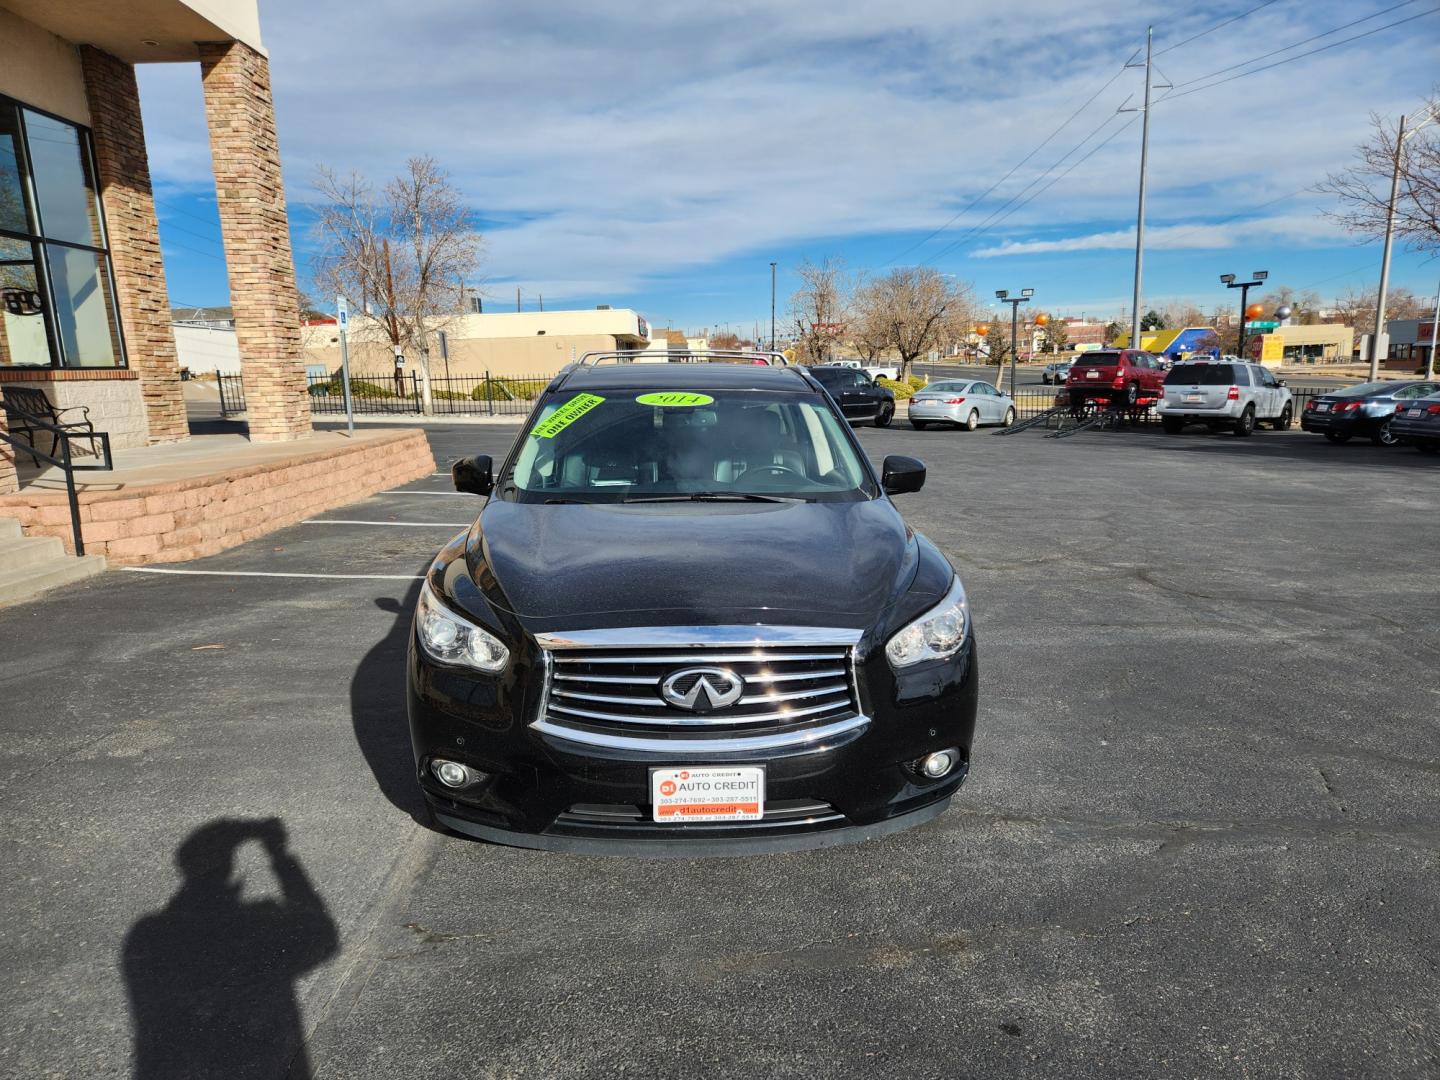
1132,395
886,414
1009,418
973,420
1286,418
1383,436
1337,436
1173,425
919,425
1246,424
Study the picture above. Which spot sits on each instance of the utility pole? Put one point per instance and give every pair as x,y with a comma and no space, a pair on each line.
542,301
772,307
1140,213
1434,332
1385,255
517,297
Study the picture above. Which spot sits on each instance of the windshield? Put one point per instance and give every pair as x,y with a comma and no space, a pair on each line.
633,446
1200,375
1098,359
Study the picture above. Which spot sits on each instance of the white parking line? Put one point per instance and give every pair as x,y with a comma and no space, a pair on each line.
401,524
269,573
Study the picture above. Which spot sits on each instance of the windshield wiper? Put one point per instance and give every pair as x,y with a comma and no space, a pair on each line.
712,496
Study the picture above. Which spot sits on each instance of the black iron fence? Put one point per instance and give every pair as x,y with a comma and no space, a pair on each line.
486,394
1034,400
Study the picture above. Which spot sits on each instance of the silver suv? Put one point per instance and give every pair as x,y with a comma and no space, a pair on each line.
1231,393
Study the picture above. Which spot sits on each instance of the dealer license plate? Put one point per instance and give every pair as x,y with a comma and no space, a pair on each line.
1324,406
735,793
1413,412
1194,397
1092,374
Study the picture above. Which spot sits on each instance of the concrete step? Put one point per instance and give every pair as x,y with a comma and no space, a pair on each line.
18,584
22,551
9,528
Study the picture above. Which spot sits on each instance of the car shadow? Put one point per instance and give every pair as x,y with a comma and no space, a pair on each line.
377,709
211,976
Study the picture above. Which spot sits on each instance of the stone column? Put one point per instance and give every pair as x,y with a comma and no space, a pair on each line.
124,180
8,480
253,223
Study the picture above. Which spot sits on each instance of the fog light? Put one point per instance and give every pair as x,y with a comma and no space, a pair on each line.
454,775
939,763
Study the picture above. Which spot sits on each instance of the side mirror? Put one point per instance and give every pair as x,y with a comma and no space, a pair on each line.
1279,382
473,474
900,474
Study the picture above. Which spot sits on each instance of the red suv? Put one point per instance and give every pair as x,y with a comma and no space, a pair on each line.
1116,375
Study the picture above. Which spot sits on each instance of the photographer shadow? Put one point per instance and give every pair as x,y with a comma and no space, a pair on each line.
211,976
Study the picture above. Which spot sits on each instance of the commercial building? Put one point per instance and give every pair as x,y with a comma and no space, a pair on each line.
502,343
86,316
1409,343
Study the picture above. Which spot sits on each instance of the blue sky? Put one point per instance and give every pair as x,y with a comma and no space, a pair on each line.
659,156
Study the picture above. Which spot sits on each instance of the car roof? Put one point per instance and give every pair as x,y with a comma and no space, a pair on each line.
683,377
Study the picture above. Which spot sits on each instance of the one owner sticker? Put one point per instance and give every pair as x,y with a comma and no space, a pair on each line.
675,400
565,415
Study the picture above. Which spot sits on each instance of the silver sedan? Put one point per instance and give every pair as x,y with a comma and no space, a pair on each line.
964,404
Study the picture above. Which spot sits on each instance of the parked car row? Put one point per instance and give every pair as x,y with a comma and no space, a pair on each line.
1384,412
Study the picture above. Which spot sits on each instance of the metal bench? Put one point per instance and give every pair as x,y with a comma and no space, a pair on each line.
30,413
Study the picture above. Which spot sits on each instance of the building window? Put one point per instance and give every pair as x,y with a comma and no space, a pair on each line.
57,293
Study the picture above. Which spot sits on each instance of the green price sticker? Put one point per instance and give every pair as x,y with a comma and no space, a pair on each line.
565,415
674,400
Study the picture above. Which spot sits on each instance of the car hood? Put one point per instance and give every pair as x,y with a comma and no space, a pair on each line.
571,567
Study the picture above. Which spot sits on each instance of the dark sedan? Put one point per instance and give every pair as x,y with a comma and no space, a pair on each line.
1417,422
1366,410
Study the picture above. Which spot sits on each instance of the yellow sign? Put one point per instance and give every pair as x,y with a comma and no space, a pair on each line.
565,415
676,400
1267,347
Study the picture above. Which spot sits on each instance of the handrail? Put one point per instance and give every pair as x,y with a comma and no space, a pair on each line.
774,359
64,461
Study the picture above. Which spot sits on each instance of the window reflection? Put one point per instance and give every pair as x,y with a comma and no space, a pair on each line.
12,184
63,184
23,339
84,321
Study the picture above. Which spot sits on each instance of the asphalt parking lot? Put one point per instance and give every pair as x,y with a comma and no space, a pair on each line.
1202,837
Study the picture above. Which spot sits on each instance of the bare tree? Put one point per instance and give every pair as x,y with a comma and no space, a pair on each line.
1363,189
1057,335
1357,307
915,309
401,254
820,308
997,341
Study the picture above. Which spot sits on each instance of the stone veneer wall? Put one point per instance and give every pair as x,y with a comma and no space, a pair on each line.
134,237
8,481
176,520
250,196
112,394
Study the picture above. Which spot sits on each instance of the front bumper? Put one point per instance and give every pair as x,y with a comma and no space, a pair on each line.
547,792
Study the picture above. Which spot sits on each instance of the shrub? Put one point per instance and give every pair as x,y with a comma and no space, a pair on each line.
919,382
498,389
903,390
360,388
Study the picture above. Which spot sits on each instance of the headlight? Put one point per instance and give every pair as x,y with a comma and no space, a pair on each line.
935,635
450,639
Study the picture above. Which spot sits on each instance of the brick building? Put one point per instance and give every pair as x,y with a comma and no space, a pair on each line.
84,312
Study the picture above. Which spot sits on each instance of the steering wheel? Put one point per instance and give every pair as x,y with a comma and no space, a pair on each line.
773,470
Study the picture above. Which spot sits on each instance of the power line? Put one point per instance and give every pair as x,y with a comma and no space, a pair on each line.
211,221
1217,26
1018,165
1300,56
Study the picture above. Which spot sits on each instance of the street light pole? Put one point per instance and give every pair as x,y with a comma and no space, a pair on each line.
1014,302
1140,213
772,307
1244,287
1434,332
1385,254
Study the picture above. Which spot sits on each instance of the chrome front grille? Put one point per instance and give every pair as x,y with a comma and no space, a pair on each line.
603,688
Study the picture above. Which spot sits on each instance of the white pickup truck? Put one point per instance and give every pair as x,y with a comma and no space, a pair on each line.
875,371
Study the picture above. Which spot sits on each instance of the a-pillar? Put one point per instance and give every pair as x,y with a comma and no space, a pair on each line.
134,236
253,224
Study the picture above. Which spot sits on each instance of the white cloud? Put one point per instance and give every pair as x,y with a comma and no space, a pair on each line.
645,140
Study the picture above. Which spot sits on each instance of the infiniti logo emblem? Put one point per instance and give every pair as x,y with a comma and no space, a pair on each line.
702,689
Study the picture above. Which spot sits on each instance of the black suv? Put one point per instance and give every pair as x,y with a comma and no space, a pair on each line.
689,618
861,399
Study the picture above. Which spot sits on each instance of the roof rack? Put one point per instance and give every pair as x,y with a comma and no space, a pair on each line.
694,356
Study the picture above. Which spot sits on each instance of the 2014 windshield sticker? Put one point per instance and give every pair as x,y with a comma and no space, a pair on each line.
676,400
565,415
